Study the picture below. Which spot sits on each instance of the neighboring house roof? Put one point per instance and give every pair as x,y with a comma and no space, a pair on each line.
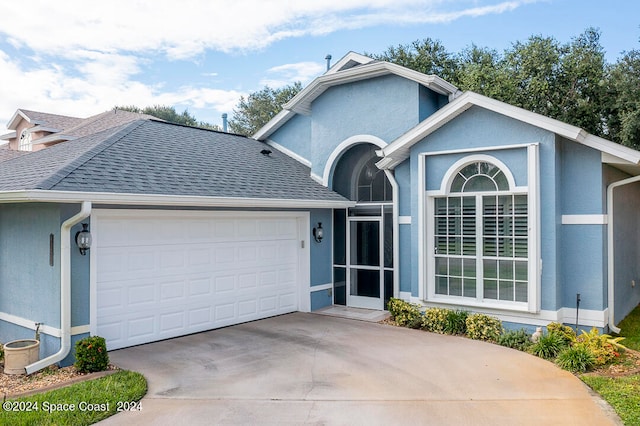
94,124
8,154
165,162
347,71
54,121
399,150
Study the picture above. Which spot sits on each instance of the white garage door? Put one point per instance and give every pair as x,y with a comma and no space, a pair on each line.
164,274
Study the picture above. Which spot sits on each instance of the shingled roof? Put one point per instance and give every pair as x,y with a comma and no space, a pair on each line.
155,157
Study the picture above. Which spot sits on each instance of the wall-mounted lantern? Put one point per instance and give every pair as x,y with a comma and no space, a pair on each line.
318,233
83,239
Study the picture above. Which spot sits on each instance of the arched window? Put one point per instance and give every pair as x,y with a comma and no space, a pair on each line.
372,184
24,143
481,237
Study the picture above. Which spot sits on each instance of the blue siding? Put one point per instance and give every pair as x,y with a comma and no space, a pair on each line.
581,174
406,279
27,281
321,299
384,107
321,253
295,136
402,174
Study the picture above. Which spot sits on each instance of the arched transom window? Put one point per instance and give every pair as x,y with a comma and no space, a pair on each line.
481,237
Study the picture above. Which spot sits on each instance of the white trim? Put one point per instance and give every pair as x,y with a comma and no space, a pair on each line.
314,288
584,219
289,153
399,150
342,147
427,260
480,149
304,264
301,103
8,136
610,251
404,220
38,195
395,196
44,329
423,258
351,56
535,236
588,317
452,172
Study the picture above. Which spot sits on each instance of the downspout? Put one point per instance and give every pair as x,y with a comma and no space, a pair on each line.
65,291
396,232
610,240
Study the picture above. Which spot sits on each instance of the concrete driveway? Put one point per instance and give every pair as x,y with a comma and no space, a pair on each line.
314,369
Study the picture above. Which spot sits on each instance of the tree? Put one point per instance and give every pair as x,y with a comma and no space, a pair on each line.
623,121
168,113
427,56
253,112
562,81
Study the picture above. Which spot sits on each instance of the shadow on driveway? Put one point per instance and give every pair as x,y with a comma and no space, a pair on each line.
313,369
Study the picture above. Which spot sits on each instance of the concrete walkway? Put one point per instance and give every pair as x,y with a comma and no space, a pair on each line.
317,369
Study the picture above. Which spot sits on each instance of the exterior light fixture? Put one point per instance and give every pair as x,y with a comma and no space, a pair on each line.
83,239
318,233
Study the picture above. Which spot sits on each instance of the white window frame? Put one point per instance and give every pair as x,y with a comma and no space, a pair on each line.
25,142
426,242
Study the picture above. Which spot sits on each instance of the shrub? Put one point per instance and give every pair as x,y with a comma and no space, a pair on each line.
515,339
567,333
604,347
548,346
483,327
404,313
456,322
435,320
577,359
91,354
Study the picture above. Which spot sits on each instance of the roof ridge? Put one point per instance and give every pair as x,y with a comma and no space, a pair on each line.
55,178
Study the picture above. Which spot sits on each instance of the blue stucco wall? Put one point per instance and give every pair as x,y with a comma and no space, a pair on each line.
321,253
385,107
477,128
27,281
295,135
582,255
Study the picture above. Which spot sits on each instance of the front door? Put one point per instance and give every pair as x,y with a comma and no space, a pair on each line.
365,277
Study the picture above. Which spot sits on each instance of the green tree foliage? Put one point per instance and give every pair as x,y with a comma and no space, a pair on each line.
427,56
169,113
254,111
624,115
571,81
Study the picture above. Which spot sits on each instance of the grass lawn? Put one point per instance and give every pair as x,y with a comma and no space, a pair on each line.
83,403
622,393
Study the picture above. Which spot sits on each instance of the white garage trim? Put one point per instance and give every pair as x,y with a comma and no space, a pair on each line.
282,263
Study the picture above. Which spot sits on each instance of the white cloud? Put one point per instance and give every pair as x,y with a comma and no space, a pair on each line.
81,58
283,75
188,28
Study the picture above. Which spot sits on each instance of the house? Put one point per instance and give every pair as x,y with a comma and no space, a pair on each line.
375,181
33,130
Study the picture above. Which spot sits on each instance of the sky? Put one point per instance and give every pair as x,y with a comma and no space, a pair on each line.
83,57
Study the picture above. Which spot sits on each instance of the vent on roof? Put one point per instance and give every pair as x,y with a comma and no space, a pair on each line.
266,152
328,58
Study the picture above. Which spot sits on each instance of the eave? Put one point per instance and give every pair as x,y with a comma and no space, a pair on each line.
105,198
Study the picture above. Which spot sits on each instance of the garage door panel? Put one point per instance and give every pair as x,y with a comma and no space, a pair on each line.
191,274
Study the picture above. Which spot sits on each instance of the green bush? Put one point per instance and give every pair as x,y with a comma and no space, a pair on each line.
515,339
567,333
456,322
435,320
91,354
577,359
548,346
483,327
604,347
404,313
